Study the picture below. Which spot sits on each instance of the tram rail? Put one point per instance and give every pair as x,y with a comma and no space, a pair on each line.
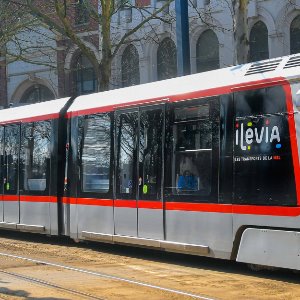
92,273
51,285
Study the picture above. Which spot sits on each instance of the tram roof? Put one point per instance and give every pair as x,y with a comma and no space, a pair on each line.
47,109
231,76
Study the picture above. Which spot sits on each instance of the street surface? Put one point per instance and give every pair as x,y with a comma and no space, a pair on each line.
202,277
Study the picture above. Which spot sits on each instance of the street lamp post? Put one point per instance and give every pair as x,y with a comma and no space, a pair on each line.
182,35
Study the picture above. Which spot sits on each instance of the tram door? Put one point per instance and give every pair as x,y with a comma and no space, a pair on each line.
138,205
125,204
10,174
150,166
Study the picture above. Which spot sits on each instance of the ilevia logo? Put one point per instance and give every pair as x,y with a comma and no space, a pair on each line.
245,138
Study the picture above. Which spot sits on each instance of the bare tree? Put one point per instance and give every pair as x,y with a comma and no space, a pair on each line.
56,16
12,22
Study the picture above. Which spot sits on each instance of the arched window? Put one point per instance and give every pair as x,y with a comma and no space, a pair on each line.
258,42
130,66
81,12
86,81
37,93
295,35
207,52
166,60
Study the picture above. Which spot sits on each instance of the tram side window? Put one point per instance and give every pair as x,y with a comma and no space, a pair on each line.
96,153
35,156
190,167
11,159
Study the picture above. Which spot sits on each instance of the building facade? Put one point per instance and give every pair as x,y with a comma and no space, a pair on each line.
274,30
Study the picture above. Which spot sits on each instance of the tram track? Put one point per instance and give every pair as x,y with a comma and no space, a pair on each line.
204,278
51,285
92,273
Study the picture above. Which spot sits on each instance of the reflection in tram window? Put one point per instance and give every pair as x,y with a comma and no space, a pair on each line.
96,149
35,156
192,151
150,155
193,148
11,160
126,137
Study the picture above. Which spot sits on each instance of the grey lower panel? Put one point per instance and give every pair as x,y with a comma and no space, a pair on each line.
125,221
151,223
11,211
162,245
65,213
30,228
8,225
93,236
22,227
268,247
200,228
35,213
73,221
95,219
53,218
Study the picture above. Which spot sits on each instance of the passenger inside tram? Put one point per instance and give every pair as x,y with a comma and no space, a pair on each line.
188,177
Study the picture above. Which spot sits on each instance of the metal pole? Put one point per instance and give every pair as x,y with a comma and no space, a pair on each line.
182,35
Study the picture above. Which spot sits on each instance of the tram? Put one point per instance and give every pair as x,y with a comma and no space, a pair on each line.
205,164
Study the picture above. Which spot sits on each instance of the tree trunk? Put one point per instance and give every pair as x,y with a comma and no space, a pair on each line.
106,59
241,31
105,74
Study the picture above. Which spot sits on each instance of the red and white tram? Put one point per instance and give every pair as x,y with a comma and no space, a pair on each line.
206,164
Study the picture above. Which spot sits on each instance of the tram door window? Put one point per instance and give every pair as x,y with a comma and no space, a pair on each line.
150,154
95,147
35,158
11,159
193,155
126,176
263,164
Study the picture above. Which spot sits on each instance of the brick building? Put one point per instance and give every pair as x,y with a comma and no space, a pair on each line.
29,82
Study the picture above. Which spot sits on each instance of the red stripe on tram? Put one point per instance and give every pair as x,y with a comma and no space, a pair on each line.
27,198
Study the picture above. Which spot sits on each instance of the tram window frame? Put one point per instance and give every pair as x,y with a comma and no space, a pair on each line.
82,131
263,171
38,182
200,190
6,182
